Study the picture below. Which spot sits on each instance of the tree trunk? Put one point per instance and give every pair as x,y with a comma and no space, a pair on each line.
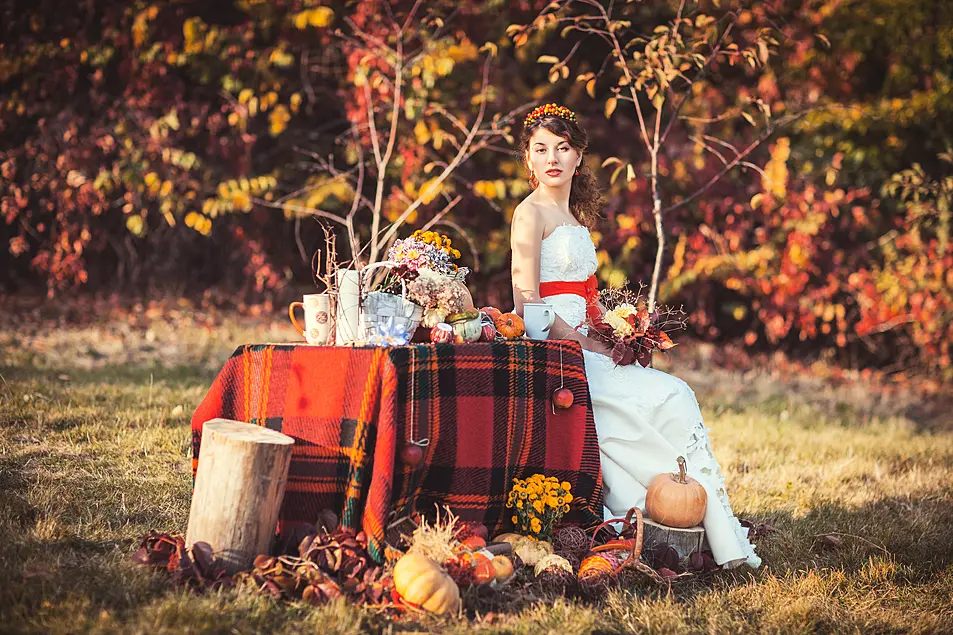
684,541
239,485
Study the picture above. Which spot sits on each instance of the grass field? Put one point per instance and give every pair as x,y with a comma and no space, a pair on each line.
94,446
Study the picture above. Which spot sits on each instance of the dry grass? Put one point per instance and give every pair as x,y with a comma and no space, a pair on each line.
94,449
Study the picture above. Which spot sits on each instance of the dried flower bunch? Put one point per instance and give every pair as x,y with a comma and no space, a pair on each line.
423,250
631,329
439,295
538,504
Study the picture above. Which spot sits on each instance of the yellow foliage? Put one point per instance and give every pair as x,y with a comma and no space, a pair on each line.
326,189
775,180
135,225
679,258
430,190
625,222
241,200
421,132
278,120
318,17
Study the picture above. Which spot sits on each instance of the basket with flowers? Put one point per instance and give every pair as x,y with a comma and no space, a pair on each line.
421,270
424,264
538,504
631,330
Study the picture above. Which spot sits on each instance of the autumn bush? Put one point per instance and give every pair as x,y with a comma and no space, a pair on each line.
161,147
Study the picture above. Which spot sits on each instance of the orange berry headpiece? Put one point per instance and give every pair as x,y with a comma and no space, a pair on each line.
549,110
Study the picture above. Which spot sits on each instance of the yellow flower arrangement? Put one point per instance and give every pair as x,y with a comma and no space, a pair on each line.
438,240
538,504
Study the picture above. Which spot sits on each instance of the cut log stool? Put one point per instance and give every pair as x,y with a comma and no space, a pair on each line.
239,485
684,541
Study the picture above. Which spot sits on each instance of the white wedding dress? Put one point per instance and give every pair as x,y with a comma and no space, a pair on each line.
645,418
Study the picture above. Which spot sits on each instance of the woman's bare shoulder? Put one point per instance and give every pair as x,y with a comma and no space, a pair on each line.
527,213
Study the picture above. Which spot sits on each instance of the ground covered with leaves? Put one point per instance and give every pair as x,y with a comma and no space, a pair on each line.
856,478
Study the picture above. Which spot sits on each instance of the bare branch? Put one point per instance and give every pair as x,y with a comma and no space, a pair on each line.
734,162
382,165
701,73
461,154
301,209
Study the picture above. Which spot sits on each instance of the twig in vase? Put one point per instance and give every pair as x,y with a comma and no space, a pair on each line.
329,279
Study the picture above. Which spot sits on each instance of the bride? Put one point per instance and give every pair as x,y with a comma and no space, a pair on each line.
645,418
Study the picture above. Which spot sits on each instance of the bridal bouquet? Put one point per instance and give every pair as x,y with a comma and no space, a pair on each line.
631,330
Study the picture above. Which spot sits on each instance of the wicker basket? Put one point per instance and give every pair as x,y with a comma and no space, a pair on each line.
377,306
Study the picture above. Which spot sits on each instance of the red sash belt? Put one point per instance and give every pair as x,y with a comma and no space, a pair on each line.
587,289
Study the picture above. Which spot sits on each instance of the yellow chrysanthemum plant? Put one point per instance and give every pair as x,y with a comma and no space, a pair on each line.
538,504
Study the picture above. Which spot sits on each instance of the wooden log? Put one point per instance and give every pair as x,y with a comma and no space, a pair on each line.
239,485
684,541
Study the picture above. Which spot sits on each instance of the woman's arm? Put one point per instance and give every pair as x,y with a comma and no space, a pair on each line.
526,238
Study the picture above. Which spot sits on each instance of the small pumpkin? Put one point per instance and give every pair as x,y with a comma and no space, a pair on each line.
421,581
675,499
510,326
553,561
532,551
473,543
510,538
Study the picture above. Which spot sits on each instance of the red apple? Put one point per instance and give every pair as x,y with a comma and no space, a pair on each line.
562,398
441,334
480,530
489,332
411,454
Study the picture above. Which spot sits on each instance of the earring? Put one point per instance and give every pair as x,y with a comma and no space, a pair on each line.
577,171
533,181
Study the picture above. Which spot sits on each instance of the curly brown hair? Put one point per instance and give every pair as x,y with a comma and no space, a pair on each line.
585,197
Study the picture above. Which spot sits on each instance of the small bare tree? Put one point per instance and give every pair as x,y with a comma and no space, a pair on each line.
392,54
657,74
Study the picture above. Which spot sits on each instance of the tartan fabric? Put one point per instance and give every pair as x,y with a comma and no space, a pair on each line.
485,408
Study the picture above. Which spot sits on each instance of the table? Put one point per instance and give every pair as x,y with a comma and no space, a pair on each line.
485,408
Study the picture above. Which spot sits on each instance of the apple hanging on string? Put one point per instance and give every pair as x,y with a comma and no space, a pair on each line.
563,398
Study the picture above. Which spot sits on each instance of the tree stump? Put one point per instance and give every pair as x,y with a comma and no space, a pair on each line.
684,541
239,485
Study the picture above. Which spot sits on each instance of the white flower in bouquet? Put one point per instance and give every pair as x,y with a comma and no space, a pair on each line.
617,319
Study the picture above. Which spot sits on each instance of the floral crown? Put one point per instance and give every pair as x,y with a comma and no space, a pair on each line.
549,110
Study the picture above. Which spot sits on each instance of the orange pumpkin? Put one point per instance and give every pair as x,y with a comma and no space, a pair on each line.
423,583
676,500
474,542
510,326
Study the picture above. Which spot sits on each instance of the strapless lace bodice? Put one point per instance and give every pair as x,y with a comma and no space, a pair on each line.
568,255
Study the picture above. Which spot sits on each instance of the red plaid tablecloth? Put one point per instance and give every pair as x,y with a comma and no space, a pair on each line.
485,408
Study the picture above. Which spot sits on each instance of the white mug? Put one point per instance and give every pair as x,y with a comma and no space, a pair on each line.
538,319
317,317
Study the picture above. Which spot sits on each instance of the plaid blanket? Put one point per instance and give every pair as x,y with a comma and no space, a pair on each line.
484,407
